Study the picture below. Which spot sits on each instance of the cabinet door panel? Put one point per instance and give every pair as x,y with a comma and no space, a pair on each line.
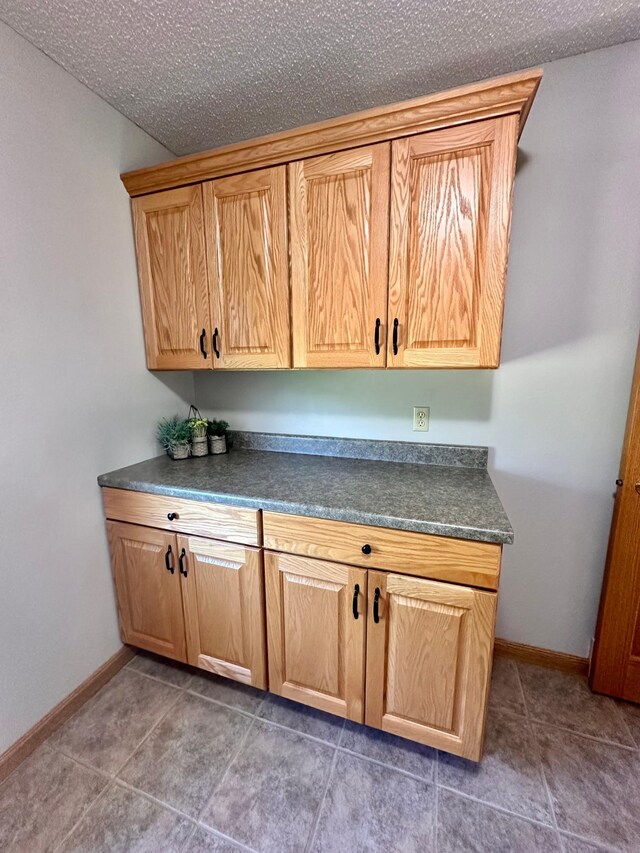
223,596
429,662
172,269
339,226
246,224
449,234
149,598
316,645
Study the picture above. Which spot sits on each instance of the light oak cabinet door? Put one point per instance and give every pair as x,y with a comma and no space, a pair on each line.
448,243
246,228
223,596
316,644
338,207
172,269
429,661
145,568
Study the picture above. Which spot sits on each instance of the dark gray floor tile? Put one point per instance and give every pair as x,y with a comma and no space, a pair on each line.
506,692
465,826
510,773
303,719
579,845
563,699
42,800
173,672
233,693
594,787
206,842
395,751
125,822
270,795
372,808
107,730
631,713
186,755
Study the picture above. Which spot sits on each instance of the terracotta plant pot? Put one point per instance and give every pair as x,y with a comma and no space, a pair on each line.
180,451
217,444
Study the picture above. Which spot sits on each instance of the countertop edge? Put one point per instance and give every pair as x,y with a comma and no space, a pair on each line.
498,537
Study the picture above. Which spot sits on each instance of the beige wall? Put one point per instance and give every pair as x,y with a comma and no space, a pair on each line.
554,412
75,399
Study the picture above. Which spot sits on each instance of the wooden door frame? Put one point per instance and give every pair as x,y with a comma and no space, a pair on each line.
614,669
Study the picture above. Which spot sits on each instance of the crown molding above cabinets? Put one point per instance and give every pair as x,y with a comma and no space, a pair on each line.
373,240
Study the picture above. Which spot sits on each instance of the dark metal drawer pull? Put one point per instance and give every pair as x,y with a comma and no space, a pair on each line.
376,599
167,561
356,593
215,342
181,558
366,549
203,335
172,516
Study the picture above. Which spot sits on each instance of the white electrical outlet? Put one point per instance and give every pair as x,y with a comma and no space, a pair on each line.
421,418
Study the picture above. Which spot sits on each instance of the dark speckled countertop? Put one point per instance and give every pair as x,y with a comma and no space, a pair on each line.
449,499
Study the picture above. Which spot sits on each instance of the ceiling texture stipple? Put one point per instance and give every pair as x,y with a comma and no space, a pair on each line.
197,74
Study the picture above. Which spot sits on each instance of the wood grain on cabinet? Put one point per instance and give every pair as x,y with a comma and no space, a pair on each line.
316,648
429,661
172,270
510,94
200,518
437,557
223,596
339,223
148,592
448,242
246,228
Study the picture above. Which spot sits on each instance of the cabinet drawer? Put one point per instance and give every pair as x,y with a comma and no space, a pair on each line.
420,554
235,524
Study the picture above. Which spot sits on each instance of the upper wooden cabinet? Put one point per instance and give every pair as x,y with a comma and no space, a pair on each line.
450,215
339,222
172,269
246,228
392,252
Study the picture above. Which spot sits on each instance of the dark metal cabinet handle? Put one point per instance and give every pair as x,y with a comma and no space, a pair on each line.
172,516
181,559
376,599
356,593
376,338
167,561
366,549
215,342
203,335
395,336
618,482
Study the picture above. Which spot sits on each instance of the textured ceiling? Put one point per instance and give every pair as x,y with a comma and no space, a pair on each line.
197,73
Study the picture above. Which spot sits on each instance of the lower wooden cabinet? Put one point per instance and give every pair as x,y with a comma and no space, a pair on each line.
192,599
316,630
428,649
223,596
429,653
145,569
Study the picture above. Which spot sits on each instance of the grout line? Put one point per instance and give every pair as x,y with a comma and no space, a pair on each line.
189,839
564,834
217,834
157,678
386,766
68,835
148,734
125,785
521,686
224,704
217,787
545,782
302,734
495,807
316,820
575,733
81,761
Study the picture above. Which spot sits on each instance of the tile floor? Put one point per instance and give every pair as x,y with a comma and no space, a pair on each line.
166,758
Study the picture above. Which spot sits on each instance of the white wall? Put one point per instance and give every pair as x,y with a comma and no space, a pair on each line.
554,412
76,399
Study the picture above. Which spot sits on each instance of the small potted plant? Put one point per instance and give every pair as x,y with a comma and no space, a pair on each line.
174,435
199,426
217,436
